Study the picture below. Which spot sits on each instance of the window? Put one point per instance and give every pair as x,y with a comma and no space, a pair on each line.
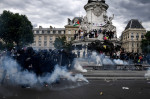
39,43
59,32
132,36
137,45
45,43
48,32
51,38
40,37
50,43
54,31
37,31
137,36
45,38
42,31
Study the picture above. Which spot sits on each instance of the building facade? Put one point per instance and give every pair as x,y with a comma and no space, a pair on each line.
44,37
132,36
72,28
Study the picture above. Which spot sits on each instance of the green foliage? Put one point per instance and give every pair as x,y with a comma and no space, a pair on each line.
146,43
1,46
61,43
147,36
15,29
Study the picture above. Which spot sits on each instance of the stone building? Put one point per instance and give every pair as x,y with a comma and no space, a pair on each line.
132,36
44,37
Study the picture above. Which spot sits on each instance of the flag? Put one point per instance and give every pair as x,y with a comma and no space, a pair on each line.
105,38
140,57
77,23
139,61
105,46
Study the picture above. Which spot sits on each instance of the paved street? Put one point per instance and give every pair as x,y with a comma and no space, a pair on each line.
104,84
96,89
115,74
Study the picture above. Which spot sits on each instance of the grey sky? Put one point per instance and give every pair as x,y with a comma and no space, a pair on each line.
56,12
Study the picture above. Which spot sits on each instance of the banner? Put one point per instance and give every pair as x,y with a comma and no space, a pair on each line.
99,24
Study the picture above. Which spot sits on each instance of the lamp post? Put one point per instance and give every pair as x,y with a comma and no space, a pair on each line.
137,37
132,41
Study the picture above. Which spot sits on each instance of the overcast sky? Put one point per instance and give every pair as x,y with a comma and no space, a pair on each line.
56,12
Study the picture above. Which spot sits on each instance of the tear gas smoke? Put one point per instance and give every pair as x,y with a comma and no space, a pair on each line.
78,66
100,59
120,62
147,75
96,58
19,77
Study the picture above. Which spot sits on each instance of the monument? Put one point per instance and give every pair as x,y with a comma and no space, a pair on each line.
94,26
96,17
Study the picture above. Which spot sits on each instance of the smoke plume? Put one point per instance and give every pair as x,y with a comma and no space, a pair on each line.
77,66
147,75
19,77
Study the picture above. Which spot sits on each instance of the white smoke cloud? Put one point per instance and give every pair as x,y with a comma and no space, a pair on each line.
147,75
78,67
16,76
120,62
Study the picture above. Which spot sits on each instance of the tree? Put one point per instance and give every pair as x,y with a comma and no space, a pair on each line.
98,46
61,43
146,43
15,29
1,45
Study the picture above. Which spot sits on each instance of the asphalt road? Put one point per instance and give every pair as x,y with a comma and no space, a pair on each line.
96,89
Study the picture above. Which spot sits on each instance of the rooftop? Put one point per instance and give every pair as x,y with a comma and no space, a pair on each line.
134,23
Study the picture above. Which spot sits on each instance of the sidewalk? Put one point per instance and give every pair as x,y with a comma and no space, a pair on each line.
115,75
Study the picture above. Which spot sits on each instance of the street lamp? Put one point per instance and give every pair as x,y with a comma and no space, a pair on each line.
137,37
132,36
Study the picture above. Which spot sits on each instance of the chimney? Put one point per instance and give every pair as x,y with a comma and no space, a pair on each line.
51,27
40,27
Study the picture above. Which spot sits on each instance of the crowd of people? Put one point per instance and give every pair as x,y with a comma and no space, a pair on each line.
93,34
42,61
133,58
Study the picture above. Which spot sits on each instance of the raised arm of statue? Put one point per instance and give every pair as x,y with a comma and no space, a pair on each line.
111,18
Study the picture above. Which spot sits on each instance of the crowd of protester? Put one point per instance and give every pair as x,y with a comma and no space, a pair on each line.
93,34
42,61
133,58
